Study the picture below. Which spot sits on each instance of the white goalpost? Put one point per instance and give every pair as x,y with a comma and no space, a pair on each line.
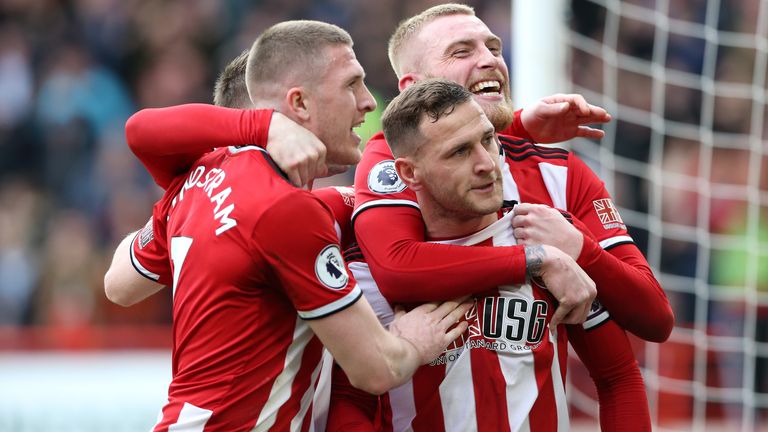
685,159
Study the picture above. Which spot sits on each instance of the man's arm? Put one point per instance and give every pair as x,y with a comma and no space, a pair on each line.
409,270
608,356
404,265
620,273
391,357
296,238
123,285
558,118
168,140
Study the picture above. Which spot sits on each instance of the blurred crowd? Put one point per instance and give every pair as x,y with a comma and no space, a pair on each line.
71,73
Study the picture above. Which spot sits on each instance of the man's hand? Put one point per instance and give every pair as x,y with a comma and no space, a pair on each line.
430,327
296,150
562,117
572,288
536,224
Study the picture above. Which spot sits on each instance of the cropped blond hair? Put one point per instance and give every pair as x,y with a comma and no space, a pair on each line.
411,26
288,54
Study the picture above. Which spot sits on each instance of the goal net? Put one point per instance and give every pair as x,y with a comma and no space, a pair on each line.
685,160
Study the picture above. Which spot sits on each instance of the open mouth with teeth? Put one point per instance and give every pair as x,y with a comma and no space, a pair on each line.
491,87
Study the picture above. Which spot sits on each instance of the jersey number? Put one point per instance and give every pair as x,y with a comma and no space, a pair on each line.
179,248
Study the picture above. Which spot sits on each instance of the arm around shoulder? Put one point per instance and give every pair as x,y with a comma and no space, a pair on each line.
376,360
405,265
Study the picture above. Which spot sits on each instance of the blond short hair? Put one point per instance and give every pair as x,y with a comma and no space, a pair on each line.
290,54
408,28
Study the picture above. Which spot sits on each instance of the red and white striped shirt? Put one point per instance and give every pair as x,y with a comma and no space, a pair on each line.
502,374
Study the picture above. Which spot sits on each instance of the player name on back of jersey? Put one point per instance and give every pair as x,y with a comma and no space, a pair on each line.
210,181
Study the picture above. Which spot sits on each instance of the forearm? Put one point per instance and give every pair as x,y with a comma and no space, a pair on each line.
388,360
123,285
169,140
408,270
623,274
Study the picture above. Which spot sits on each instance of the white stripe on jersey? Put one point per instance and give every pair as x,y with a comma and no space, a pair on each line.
137,265
281,389
458,401
341,303
306,400
191,419
555,178
520,376
337,228
322,396
403,406
384,202
500,232
605,244
380,305
563,420
509,187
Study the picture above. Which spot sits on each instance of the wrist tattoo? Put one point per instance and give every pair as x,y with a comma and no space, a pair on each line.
534,260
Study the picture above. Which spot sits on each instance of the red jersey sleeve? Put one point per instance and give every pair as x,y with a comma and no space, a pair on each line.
168,140
296,237
350,409
149,253
341,200
613,261
376,181
607,354
390,231
517,129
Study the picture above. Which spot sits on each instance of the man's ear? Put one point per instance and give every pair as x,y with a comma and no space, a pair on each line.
296,102
407,172
407,80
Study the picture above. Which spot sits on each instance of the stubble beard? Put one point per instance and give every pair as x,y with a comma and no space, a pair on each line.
500,115
464,208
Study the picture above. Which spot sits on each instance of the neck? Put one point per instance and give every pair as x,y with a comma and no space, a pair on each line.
443,224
